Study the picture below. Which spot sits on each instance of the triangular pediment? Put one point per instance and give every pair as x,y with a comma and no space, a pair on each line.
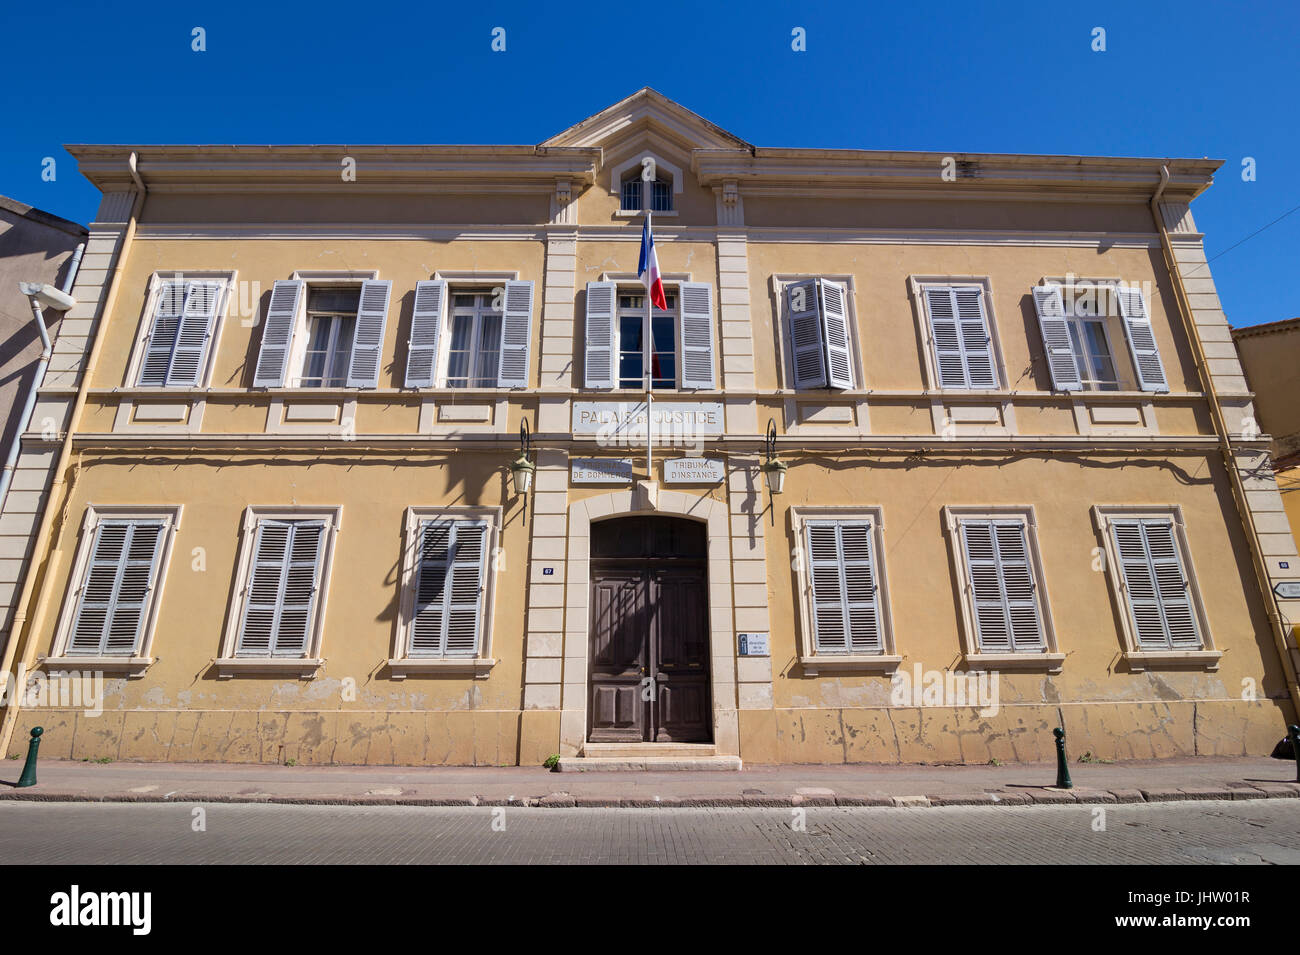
647,112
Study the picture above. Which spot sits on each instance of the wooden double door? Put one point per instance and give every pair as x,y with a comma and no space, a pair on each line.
649,666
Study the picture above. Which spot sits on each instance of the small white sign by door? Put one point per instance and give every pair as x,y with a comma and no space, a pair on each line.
600,470
694,470
753,644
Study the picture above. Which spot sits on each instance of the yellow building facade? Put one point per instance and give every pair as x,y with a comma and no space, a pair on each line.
1020,486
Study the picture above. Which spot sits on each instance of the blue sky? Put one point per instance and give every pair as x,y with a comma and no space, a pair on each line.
1176,79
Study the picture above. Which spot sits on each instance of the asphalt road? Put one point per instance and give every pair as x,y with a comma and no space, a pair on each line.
1248,832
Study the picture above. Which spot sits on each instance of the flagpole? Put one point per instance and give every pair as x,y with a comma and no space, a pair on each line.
649,337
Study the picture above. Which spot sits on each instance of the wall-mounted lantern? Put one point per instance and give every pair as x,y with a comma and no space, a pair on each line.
521,470
773,468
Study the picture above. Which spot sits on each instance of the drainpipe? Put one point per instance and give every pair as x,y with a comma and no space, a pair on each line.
19,626
1221,432
40,296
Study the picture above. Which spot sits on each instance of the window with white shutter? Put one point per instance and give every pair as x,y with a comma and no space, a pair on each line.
961,342
116,582
427,320
280,596
843,585
516,335
1155,584
1002,586
819,333
177,347
368,334
449,587
999,577
1057,345
1141,339
114,596
598,339
323,334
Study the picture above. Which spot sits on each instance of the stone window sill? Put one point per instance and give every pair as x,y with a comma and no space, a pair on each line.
849,661
478,667
305,668
1139,660
1050,662
130,666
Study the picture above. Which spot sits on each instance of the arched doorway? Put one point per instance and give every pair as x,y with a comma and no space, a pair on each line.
649,665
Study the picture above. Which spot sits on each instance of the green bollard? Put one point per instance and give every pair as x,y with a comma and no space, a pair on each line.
1295,748
28,778
1062,769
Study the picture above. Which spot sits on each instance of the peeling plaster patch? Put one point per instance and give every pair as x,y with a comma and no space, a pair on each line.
1162,689
1050,693
185,698
473,699
157,696
322,689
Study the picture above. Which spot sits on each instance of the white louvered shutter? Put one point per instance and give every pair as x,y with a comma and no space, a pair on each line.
120,577
368,334
976,342
696,335
278,332
830,630
1018,586
1141,339
1002,587
846,616
860,587
1156,586
452,570
168,307
429,615
465,588
806,346
992,632
1061,363
945,337
426,327
959,332
835,332
516,335
598,345
282,587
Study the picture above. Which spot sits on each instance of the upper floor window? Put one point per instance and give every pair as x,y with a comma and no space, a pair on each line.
819,333
331,327
183,318
635,191
474,351
628,343
962,353
323,335
470,337
1076,323
647,348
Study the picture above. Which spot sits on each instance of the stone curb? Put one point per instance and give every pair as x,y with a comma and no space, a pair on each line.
563,800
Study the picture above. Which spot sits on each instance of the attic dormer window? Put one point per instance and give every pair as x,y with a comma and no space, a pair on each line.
661,193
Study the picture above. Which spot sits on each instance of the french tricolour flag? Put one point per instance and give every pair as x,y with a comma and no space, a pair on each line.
648,268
